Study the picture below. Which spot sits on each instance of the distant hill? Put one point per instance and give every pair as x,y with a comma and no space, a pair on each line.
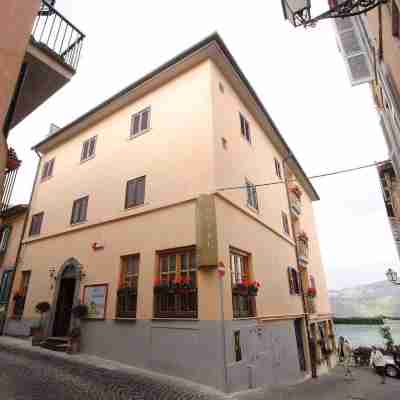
379,298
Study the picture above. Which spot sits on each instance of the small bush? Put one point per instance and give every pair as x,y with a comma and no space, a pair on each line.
42,307
80,311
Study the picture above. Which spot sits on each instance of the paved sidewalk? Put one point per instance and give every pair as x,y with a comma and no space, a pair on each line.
332,386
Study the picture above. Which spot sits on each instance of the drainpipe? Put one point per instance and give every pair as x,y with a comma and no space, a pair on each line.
303,296
17,258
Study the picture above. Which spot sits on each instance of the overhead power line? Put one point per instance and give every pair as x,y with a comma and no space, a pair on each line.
337,172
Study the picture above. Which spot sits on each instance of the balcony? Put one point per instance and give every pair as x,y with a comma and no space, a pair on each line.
51,59
303,251
295,200
9,179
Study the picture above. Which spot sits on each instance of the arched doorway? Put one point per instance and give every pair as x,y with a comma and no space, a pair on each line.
66,295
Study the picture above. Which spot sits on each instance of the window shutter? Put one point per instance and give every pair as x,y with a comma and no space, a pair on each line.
83,211
85,147
296,282
290,278
135,124
395,19
51,166
145,120
140,188
5,235
45,169
92,146
353,50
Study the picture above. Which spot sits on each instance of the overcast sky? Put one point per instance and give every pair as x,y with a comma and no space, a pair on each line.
298,74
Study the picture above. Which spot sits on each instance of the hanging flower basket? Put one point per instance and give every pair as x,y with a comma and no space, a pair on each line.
12,162
296,191
303,236
312,292
253,287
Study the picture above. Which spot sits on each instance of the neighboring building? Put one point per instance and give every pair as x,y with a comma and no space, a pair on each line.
39,54
128,215
370,46
391,196
11,230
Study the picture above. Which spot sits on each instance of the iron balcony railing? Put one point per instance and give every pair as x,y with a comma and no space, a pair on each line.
10,174
55,34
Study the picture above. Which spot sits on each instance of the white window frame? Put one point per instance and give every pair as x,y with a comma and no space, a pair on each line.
252,196
140,115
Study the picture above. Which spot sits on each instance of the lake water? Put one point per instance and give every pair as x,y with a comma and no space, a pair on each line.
367,335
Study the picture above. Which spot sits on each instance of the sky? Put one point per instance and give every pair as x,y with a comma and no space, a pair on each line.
299,75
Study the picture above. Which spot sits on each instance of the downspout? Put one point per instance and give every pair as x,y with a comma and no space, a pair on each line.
17,259
303,296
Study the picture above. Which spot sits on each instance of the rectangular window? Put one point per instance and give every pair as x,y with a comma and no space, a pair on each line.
140,122
135,191
285,223
20,295
79,210
36,224
245,128
243,303
278,168
4,236
5,286
88,148
252,199
48,167
127,292
395,20
294,281
175,289
237,346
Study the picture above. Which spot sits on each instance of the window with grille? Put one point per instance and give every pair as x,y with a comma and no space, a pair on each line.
140,122
79,210
48,168
243,304
36,224
285,223
252,199
135,192
4,237
245,128
127,292
278,168
88,148
175,289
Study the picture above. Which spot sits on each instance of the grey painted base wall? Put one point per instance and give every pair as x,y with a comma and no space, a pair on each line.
18,327
194,349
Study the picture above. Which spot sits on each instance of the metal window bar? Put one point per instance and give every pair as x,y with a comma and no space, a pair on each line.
176,305
55,33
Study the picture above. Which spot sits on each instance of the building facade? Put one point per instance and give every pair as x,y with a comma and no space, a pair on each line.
370,46
136,212
39,54
13,220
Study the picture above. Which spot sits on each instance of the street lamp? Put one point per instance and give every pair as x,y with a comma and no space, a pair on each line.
298,12
392,276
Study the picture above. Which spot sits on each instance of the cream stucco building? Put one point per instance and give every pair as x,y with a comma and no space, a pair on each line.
128,215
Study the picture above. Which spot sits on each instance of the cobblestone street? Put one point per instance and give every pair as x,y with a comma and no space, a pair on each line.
28,373
40,375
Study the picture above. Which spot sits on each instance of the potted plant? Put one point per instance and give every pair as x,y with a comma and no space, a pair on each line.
253,287
296,191
79,312
240,289
38,328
